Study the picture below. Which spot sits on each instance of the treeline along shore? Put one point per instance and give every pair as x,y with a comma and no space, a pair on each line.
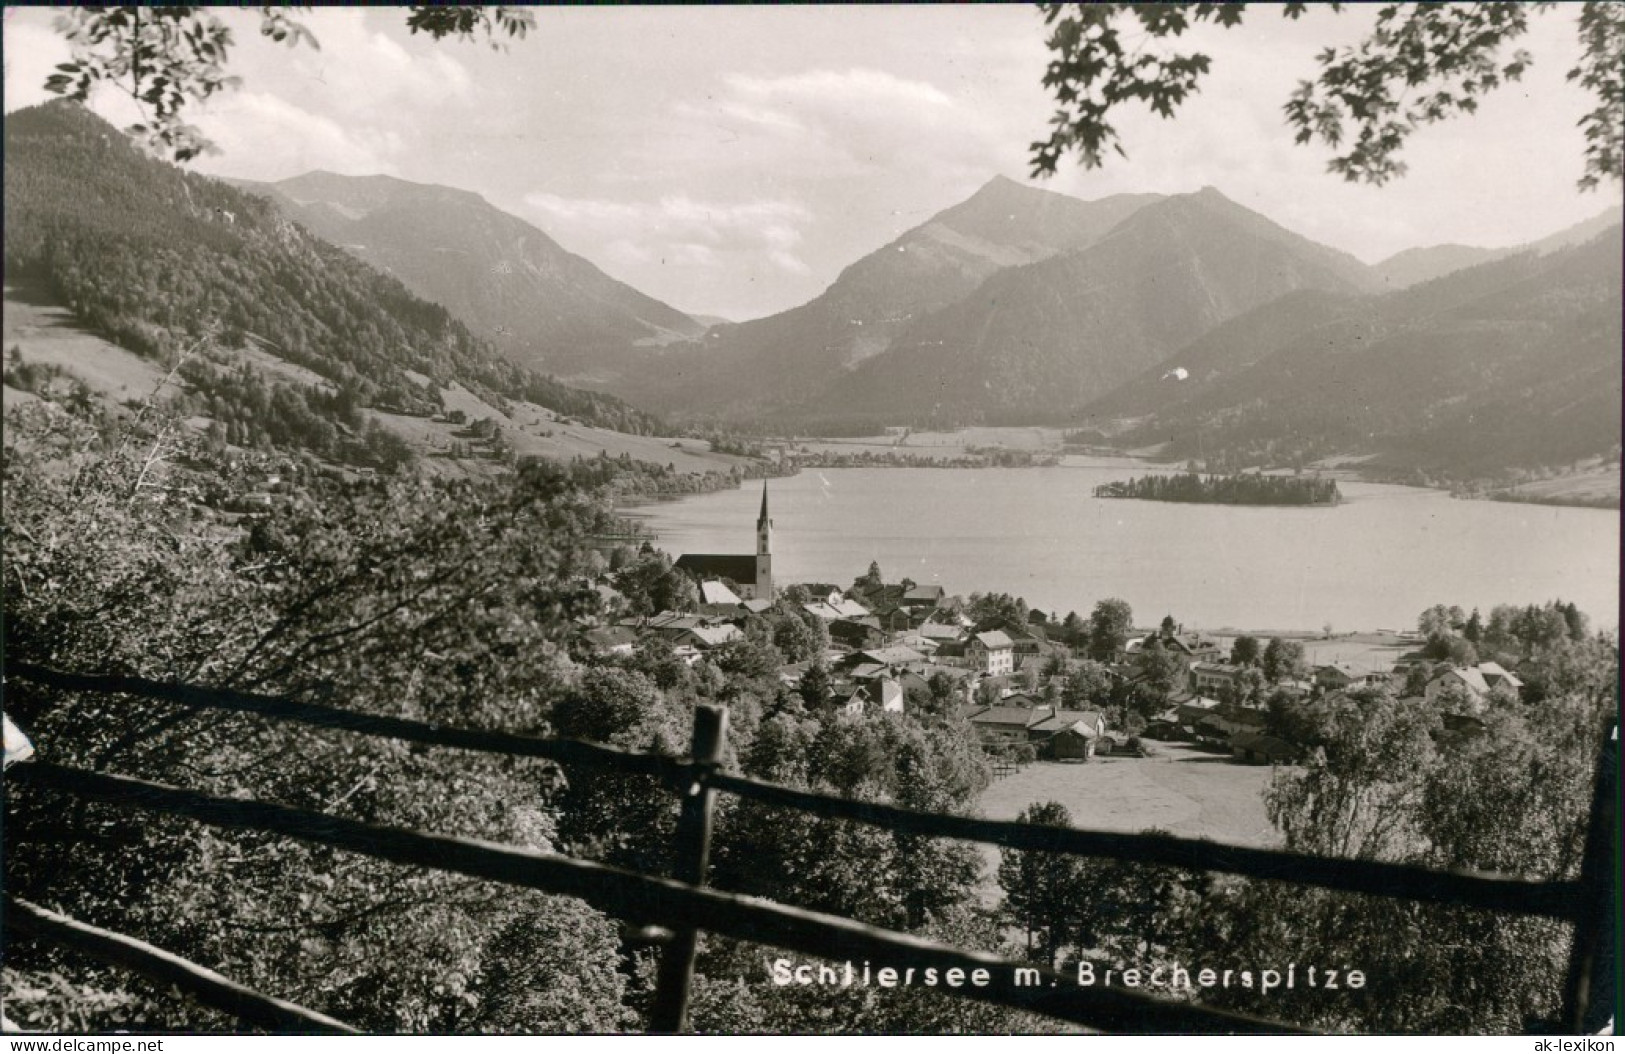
1241,489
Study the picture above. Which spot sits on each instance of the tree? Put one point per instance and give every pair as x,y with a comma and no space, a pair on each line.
1074,630
798,635
1043,891
1283,660
553,971
651,584
1244,651
1087,684
1109,628
1447,647
444,602
1474,630
1385,784
1161,668
1133,911
1439,619
1421,64
992,611
168,58
816,686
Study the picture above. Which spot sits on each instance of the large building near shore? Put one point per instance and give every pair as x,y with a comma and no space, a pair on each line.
752,575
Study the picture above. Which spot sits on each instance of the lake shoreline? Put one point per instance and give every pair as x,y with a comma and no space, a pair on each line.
1583,489
1384,554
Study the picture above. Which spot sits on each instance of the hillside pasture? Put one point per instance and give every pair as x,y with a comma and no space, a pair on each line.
47,335
1182,790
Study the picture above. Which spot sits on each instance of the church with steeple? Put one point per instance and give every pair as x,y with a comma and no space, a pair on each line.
753,575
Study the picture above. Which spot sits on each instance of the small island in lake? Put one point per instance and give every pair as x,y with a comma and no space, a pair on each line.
1243,489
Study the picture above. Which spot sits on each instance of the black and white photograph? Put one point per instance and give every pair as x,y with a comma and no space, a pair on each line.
818,520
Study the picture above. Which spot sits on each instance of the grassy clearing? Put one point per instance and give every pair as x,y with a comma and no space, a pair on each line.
51,336
1183,791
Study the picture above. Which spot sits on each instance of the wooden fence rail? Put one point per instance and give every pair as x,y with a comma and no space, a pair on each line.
1557,899
628,894
686,908
569,751
203,984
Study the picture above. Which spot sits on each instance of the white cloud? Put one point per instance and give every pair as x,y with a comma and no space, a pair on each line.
679,229
840,88
262,136
374,71
825,124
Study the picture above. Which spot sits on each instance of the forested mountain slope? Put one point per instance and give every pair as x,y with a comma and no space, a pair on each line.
152,256
543,307
1509,364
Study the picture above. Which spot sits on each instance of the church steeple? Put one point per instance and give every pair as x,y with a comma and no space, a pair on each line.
764,550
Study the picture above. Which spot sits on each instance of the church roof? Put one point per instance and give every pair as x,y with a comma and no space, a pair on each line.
739,568
717,593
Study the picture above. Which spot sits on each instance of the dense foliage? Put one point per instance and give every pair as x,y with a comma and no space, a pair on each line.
1389,775
1245,489
457,603
1420,64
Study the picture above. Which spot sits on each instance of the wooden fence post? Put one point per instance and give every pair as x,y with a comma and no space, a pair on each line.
1588,993
670,1014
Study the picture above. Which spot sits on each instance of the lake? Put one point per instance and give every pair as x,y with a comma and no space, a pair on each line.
1375,561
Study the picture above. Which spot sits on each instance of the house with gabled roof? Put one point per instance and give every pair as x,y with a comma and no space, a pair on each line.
858,633
886,656
881,695
1192,647
1002,725
1213,677
1496,675
993,653
707,637
1094,723
926,597
941,633
1478,681
1256,748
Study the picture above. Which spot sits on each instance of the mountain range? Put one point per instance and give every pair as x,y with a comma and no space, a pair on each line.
1039,341
1513,363
753,367
1186,321
279,336
544,307
1435,261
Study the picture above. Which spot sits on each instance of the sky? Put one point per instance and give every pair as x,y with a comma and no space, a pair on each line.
731,161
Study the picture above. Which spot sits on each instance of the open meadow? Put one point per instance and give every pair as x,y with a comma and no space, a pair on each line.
1182,790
